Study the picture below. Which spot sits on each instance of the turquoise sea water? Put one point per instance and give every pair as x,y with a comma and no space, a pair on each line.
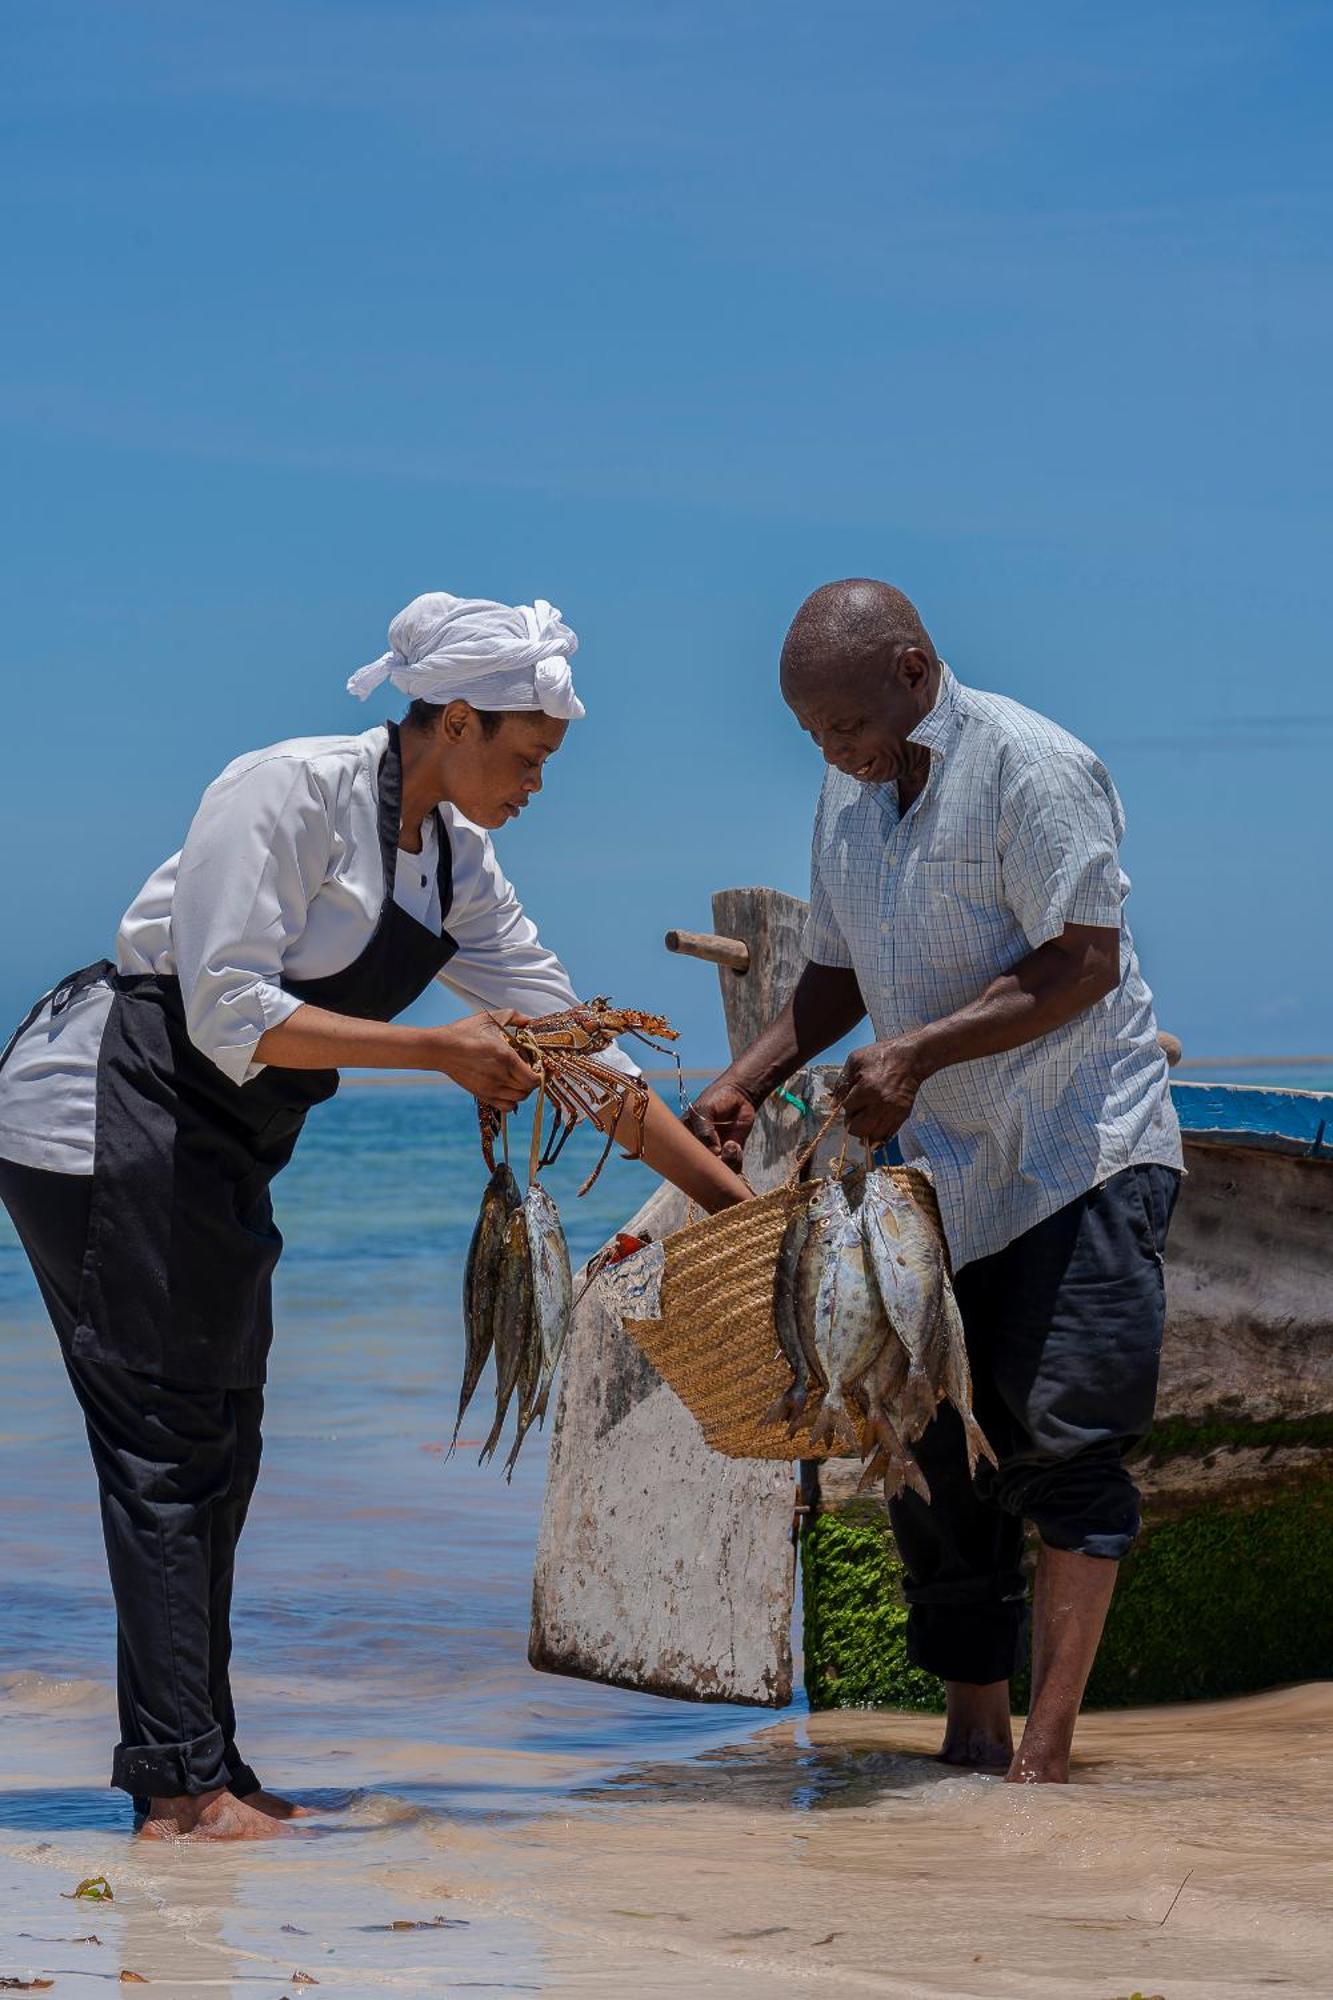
381,1591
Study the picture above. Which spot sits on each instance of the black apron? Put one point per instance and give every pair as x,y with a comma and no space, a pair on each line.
181,1240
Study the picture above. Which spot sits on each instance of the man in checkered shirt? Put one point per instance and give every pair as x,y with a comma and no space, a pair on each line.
966,892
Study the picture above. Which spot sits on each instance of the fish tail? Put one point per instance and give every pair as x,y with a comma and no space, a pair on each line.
803,1419
463,1402
783,1409
869,1474
849,1431
825,1424
488,1449
914,1477
900,1470
978,1444
836,1425
514,1452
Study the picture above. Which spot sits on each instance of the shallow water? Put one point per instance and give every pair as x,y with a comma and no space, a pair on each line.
575,1839
377,1583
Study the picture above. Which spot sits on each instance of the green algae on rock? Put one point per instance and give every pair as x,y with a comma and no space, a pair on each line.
1220,1600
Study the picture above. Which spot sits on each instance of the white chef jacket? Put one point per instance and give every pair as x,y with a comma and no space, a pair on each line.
280,873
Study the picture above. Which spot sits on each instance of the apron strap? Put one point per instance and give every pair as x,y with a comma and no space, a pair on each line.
61,997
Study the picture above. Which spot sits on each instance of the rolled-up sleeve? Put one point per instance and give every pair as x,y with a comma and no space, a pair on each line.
501,961
1060,824
254,858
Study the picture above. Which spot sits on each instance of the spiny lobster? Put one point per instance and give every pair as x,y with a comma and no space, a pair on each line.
563,1050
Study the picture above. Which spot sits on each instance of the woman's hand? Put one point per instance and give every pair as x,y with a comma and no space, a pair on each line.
672,1150
475,1054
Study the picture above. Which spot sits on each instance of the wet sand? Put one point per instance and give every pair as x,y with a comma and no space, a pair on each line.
1190,1858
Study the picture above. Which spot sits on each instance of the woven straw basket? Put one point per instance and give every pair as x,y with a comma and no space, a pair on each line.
716,1343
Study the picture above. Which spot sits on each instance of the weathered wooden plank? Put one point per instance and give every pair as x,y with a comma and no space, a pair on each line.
660,1564
771,924
1249,1281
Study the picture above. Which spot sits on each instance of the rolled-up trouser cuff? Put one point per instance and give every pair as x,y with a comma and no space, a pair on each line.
1086,1502
243,1781
166,1771
242,1784
1077,1541
979,1643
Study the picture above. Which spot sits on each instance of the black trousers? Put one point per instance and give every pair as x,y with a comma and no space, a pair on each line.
176,1467
1064,1336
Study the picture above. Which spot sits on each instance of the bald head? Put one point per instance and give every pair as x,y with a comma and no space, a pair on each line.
847,627
859,673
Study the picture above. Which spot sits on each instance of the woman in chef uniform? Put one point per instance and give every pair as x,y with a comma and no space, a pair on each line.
146,1105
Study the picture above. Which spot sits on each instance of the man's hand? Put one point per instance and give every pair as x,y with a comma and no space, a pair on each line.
878,1088
475,1053
722,1116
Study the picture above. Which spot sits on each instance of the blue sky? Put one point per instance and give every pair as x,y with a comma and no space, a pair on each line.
670,314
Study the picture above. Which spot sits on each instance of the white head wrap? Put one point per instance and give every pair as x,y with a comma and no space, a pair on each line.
496,656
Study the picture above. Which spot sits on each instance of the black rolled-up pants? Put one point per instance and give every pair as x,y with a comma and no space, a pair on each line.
1064,1337
176,1467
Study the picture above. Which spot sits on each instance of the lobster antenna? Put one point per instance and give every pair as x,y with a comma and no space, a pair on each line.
535,1150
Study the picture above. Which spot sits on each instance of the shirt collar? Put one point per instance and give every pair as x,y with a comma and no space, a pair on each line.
934,729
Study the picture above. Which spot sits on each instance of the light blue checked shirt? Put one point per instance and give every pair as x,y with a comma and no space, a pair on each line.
1015,835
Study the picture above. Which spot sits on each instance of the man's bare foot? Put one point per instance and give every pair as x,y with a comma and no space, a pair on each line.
1068,1612
275,1807
1035,1766
207,1816
977,1732
974,1750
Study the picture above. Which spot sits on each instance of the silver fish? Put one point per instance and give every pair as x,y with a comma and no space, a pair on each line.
906,1256
949,1371
849,1324
513,1313
549,1316
889,1457
480,1280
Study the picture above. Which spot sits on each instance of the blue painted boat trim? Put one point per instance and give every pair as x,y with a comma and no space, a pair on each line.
1244,1114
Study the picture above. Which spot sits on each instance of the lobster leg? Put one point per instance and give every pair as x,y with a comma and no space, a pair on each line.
490,1122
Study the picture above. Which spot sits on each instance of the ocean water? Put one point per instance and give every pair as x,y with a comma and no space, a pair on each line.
375,1580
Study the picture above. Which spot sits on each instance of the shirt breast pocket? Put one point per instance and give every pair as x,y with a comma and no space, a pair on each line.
954,933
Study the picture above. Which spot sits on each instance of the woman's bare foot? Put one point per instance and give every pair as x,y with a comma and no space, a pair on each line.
207,1816
275,1807
977,1732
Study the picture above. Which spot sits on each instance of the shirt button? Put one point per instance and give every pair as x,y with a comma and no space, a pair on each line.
883,930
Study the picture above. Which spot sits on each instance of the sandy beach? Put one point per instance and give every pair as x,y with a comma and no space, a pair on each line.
1189,1859
538,1835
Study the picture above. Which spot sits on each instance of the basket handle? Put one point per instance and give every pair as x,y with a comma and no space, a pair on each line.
803,1159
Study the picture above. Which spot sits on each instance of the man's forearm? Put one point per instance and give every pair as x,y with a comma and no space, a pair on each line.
825,1006
1051,986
